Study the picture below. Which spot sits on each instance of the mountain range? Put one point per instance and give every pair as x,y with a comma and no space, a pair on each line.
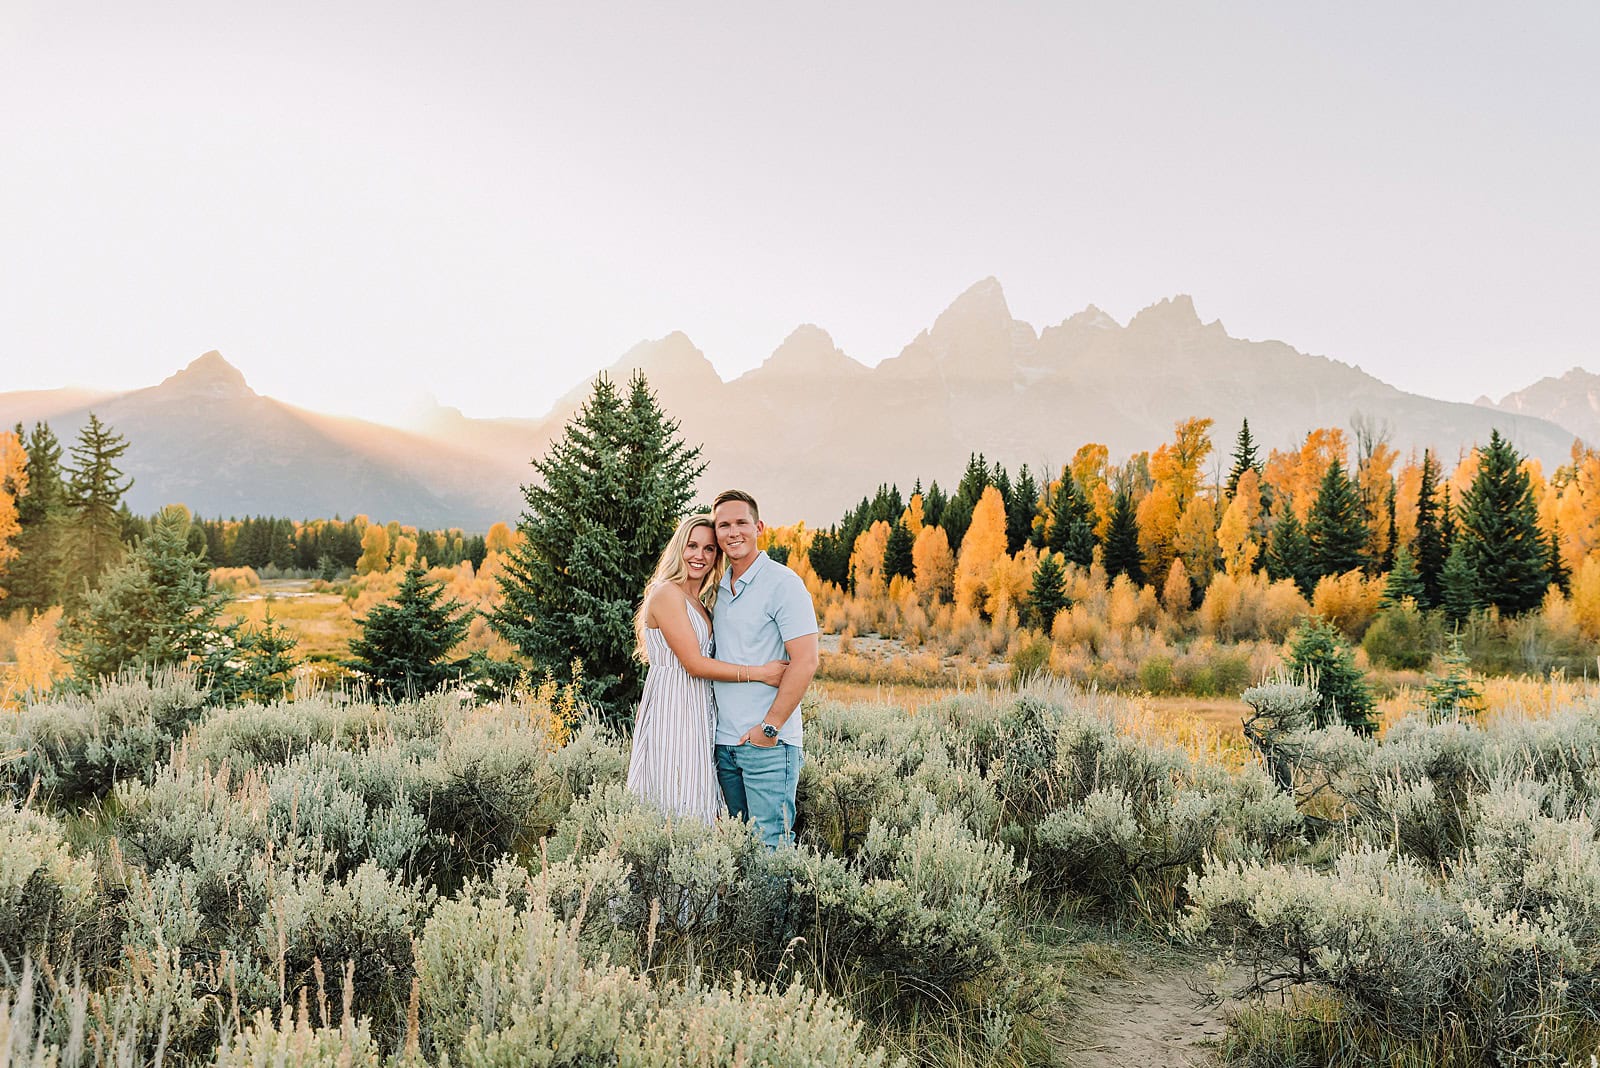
809,430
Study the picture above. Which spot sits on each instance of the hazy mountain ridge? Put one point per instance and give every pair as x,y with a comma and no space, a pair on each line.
1572,401
810,429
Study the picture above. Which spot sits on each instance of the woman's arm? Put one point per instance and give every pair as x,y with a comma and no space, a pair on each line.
669,615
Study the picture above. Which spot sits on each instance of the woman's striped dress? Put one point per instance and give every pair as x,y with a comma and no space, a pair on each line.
672,734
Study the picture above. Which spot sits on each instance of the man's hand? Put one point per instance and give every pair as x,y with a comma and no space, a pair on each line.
754,737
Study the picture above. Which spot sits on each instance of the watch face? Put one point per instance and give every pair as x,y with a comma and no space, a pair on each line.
769,731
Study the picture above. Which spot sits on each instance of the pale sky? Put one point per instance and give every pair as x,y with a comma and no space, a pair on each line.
357,203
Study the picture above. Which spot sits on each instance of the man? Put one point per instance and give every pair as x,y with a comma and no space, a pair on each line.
763,613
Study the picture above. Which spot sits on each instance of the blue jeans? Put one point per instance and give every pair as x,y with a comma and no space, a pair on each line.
758,782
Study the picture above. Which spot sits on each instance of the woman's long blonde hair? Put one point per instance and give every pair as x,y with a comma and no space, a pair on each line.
671,568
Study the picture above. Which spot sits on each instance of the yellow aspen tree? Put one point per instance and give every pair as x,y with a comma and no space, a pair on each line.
374,550
1157,516
1236,536
37,663
1011,582
1296,476
911,518
1585,597
1407,490
1375,479
933,567
1177,466
13,484
1177,590
866,560
1462,477
404,549
983,545
1089,466
1195,542
500,539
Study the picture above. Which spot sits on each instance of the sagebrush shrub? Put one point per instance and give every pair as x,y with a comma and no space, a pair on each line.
48,896
74,748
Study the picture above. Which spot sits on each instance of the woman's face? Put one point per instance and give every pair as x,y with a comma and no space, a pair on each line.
700,552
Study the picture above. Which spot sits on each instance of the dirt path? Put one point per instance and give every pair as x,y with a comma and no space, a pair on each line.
1131,1010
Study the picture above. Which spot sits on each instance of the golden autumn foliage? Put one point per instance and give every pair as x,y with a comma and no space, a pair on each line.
866,560
1177,590
1585,597
1010,583
13,484
911,518
1375,482
374,551
500,538
933,566
1348,601
1195,542
37,661
1236,535
1177,466
1295,476
983,546
1157,516
1089,466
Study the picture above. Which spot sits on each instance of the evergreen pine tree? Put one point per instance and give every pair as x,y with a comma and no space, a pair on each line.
897,552
1319,657
1392,542
1244,457
608,496
94,504
933,505
1020,509
1403,581
401,653
1071,531
830,557
957,514
1458,586
1122,541
1499,531
1048,595
1429,546
1289,553
1555,567
157,609
1337,526
1453,693
252,663
35,576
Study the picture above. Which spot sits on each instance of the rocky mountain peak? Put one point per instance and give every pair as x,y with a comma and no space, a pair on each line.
981,309
808,351
208,376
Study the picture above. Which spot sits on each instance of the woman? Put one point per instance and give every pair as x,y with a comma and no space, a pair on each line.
673,731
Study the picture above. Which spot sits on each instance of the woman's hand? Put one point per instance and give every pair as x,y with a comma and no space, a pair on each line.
770,673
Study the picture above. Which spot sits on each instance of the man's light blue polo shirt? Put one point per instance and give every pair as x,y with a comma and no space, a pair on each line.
753,618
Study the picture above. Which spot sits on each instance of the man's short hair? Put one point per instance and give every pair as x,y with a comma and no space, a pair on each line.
737,495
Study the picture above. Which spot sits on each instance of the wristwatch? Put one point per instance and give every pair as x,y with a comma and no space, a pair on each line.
768,731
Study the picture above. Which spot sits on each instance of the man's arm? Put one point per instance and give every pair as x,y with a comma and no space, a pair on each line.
803,659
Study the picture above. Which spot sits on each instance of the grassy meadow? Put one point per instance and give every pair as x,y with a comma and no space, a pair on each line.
978,872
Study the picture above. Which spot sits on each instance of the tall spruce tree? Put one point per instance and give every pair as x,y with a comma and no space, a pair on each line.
1499,531
1337,525
404,648
94,504
933,505
1403,581
1071,530
1122,541
35,578
1459,593
1320,657
897,561
1244,457
829,557
1289,553
157,609
957,514
1020,510
1429,545
1048,595
606,500
1555,566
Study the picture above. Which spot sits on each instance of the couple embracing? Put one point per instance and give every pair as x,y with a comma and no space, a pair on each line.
721,733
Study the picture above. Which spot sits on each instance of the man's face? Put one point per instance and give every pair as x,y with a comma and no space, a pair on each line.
737,530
